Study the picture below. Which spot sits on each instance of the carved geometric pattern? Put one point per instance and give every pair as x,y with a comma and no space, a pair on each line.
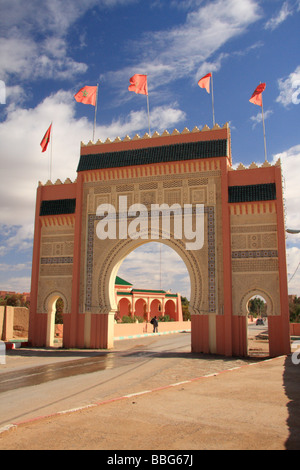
210,211
198,182
125,187
145,186
255,265
148,198
239,242
211,260
173,197
198,196
253,228
60,260
102,189
201,180
172,184
255,254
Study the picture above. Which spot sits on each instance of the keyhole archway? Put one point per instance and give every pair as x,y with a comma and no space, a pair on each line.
115,260
108,271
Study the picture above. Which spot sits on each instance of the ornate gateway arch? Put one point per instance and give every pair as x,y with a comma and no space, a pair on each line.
242,249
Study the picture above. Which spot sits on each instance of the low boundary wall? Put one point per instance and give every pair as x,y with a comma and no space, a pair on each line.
295,329
14,322
133,330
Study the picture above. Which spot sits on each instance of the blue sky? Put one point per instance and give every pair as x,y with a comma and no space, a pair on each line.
50,49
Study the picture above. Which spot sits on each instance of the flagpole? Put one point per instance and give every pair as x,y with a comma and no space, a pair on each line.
263,120
212,98
148,115
51,149
95,112
160,265
148,108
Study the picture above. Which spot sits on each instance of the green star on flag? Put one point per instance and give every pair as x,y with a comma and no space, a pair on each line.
87,95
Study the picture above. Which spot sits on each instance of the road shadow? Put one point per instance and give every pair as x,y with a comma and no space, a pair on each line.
291,383
138,350
143,353
57,352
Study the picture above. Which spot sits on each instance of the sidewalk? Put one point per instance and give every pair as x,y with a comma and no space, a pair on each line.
252,407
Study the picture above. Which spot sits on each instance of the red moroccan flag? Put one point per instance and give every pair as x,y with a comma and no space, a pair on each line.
204,82
138,84
87,95
46,139
256,98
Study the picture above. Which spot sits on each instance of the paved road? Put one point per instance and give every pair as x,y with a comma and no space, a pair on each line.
36,383
253,407
254,329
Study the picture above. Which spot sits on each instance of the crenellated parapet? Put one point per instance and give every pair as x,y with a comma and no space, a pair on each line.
58,182
155,135
254,166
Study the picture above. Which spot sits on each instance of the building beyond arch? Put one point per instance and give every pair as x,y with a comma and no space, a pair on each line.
146,303
243,250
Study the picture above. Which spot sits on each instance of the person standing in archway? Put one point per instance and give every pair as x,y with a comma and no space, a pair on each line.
154,322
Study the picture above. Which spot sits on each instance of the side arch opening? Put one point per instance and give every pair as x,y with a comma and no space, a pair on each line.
258,305
55,307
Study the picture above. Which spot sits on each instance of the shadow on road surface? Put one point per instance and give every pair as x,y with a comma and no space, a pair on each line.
291,383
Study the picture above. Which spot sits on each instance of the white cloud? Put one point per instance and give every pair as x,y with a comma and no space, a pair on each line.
17,284
51,16
3,250
177,52
285,11
143,269
161,118
211,67
22,239
290,89
16,267
23,164
258,118
27,59
23,55
293,260
290,161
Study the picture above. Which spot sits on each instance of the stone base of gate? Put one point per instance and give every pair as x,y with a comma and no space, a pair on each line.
217,334
210,334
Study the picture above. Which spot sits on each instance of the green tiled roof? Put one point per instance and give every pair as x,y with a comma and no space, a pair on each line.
149,291
58,207
121,282
256,192
146,291
146,156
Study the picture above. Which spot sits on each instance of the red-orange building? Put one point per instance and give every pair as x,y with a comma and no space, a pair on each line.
243,252
146,303
25,295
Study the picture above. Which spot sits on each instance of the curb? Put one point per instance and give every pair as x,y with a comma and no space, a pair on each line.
119,338
131,395
16,345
